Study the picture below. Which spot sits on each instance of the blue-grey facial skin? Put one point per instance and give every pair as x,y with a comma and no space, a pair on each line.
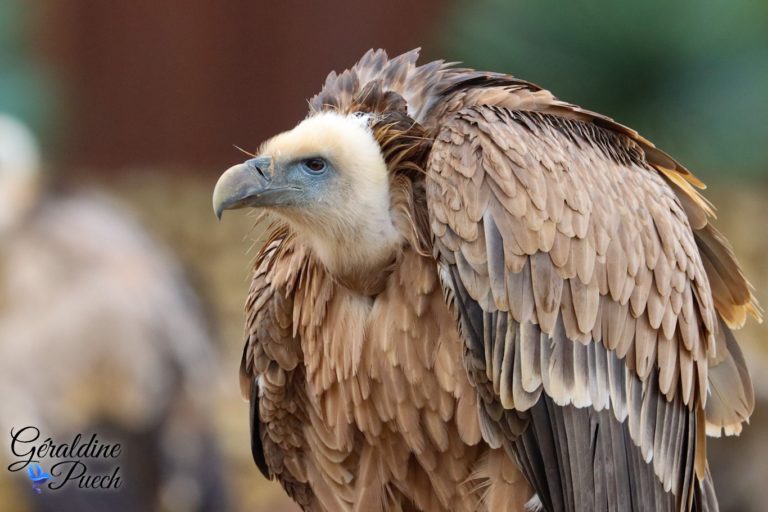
263,183
310,184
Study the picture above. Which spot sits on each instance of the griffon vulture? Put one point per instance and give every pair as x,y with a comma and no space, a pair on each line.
475,296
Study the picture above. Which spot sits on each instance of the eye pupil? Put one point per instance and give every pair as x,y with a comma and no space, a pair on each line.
315,164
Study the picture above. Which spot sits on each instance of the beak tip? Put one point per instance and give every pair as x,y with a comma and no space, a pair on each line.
234,188
218,209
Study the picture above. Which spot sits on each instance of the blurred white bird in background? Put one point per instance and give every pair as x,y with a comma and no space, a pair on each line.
19,172
99,332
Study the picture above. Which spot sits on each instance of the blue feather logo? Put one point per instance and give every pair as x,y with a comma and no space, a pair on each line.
37,476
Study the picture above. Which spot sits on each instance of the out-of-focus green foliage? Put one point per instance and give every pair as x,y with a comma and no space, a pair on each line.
691,75
25,91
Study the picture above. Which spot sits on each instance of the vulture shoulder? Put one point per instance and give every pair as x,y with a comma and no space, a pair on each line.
594,298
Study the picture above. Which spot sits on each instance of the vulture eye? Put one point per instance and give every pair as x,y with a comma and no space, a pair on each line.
314,165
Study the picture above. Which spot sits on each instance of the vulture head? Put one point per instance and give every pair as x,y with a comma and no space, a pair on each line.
328,180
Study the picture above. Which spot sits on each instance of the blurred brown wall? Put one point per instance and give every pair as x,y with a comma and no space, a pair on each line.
177,83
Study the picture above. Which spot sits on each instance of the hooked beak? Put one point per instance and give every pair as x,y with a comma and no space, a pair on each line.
249,184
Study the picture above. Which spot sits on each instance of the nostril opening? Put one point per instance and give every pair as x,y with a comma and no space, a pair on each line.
256,164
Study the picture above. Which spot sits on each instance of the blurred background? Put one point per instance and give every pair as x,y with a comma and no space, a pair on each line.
136,106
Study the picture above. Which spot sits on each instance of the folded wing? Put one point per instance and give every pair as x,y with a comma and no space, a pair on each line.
592,295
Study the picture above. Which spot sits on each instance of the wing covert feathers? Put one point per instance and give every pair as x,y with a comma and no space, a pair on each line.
591,255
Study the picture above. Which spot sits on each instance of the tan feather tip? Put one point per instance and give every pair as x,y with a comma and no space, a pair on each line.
733,429
685,173
686,182
690,177
754,309
693,180
751,307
